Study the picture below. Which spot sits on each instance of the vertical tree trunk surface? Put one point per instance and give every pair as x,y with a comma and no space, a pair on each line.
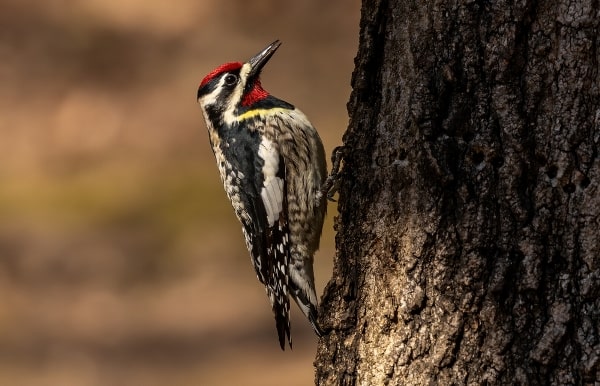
469,227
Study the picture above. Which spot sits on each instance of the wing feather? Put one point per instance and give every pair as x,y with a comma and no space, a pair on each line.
267,233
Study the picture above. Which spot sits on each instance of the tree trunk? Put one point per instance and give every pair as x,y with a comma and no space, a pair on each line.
468,244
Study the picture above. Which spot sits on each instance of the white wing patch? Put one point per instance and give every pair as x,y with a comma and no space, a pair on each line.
272,190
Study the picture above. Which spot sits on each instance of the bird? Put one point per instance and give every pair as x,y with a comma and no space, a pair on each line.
271,161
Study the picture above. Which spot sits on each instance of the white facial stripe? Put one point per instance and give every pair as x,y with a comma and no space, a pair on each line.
211,99
229,116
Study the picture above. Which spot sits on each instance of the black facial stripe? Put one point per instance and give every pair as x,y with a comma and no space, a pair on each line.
214,82
215,114
207,88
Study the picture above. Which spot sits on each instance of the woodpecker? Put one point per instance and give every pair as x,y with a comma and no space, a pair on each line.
272,164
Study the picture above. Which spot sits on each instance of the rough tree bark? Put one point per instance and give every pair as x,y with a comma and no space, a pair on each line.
468,234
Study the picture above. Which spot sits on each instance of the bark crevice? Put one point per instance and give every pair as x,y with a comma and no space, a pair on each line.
468,246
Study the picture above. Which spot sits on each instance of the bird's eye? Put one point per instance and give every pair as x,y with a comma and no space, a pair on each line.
230,79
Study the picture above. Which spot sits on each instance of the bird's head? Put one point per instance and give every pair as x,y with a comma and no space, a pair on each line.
234,85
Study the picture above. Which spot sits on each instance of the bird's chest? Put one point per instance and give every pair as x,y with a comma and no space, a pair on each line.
236,144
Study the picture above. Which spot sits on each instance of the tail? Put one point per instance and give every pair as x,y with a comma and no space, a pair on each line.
281,309
282,322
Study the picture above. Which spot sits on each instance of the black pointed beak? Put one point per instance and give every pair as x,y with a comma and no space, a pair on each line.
258,61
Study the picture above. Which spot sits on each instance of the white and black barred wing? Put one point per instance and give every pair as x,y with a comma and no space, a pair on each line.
260,204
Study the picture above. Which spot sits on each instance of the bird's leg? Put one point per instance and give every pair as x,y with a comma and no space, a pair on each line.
332,183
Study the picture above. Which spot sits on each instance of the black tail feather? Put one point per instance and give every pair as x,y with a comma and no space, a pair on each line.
282,322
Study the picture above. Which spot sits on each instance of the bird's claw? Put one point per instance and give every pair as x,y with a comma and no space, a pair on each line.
332,183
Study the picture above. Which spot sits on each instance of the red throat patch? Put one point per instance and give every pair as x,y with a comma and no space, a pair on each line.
219,70
256,94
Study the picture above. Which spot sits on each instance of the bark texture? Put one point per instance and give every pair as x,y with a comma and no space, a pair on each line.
469,226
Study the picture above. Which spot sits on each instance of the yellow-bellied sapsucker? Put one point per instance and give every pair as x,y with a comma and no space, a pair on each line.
272,165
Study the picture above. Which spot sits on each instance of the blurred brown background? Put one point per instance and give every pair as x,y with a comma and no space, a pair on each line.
121,262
